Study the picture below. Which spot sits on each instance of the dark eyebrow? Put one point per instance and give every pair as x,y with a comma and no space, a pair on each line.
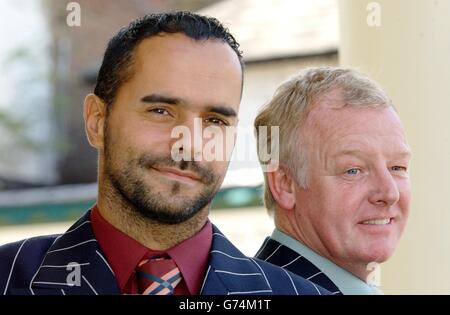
223,110
219,109
158,98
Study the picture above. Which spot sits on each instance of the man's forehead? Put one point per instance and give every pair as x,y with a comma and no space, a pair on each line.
366,142
393,147
181,44
164,41
364,117
178,67
358,125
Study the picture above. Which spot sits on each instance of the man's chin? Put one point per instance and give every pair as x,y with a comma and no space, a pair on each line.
168,217
379,253
172,207
169,203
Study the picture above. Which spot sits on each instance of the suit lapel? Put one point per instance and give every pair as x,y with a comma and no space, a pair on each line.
278,254
230,271
74,264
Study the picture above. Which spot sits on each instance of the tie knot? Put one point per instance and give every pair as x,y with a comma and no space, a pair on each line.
157,276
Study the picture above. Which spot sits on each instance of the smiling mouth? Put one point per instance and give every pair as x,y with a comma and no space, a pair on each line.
385,221
177,175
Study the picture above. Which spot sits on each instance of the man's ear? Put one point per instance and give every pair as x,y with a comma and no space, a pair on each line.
282,187
94,113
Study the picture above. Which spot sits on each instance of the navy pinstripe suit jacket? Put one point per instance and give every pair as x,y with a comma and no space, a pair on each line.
278,254
42,265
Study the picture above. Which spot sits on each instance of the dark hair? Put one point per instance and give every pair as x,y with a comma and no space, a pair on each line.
117,61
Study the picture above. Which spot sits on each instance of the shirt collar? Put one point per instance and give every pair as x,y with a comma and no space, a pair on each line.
124,253
191,257
344,280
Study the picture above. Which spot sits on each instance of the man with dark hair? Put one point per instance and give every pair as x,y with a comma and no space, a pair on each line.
149,231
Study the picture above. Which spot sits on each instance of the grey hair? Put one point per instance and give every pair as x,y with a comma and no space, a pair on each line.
294,99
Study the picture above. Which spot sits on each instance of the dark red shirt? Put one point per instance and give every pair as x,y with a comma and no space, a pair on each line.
124,253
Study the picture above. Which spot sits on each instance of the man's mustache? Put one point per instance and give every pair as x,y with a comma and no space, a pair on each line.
205,174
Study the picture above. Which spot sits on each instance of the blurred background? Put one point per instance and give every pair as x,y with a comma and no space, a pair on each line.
49,62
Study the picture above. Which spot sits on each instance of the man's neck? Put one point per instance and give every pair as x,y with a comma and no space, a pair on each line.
150,233
359,270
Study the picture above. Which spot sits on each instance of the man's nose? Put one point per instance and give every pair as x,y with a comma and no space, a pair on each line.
385,191
194,145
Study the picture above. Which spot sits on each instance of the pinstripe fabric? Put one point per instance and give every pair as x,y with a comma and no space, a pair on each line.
283,256
49,265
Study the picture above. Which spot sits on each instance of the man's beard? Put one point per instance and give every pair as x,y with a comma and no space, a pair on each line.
142,200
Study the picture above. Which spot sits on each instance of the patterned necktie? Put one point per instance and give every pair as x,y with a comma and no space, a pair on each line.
157,276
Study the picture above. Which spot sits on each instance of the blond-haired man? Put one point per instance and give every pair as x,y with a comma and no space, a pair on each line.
340,195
